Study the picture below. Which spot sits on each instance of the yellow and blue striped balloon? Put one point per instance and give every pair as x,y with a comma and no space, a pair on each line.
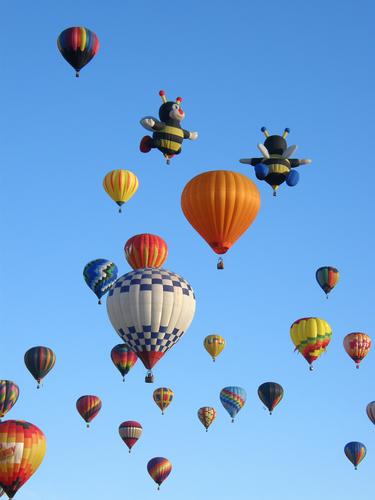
233,398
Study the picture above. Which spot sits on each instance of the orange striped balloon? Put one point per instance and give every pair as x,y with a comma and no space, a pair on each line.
120,185
220,205
146,250
22,449
357,345
88,407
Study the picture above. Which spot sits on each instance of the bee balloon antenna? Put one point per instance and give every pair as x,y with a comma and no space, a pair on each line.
265,131
163,96
285,133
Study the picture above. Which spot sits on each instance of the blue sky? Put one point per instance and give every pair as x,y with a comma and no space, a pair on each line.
280,64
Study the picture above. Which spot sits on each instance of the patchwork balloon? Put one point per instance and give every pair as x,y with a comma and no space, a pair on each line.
123,358
146,250
327,278
39,361
88,407
214,345
355,452
22,449
9,392
121,185
233,398
270,393
206,415
130,431
357,345
159,469
100,274
78,45
163,397
311,337
151,309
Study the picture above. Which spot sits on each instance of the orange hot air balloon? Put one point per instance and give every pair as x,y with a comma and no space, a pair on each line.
357,345
146,250
22,449
220,205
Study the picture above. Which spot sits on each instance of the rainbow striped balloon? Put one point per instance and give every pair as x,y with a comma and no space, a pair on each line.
123,358
78,45
159,469
233,398
88,407
39,361
355,452
9,392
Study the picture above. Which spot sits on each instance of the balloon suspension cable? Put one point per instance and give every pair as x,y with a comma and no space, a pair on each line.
206,429
355,467
162,412
123,379
38,385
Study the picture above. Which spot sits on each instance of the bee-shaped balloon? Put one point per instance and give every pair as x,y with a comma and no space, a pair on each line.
167,134
276,166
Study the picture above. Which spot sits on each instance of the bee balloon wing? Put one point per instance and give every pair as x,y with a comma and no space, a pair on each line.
262,148
289,151
148,122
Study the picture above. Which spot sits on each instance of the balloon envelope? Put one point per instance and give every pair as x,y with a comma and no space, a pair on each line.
130,431
327,278
356,452
9,392
163,397
88,407
220,205
22,449
151,309
206,415
214,345
233,398
370,410
120,185
311,337
159,469
270,393
39,361
123,358
78,45
146,250
100,274
357,345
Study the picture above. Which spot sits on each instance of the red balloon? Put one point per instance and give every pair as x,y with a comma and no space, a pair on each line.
146,250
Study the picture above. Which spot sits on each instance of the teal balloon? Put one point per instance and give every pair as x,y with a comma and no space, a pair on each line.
233,399
100,274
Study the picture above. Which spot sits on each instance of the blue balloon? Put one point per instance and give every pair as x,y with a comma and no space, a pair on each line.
292,178
233,399
355,452
100,274
261,171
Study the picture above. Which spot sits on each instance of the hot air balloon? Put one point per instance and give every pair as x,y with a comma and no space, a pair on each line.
233,399
206,415
151,309
123,358
276,166
159,469
78,45
167,134
220,205
39,361
163,397
146,250
355,452
120,185
22,449
370,410
100,274
9,392
214,344
327,278
270,393
357,345
130,431
311,337
88,407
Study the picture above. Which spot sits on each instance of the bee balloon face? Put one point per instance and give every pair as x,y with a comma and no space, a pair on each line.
171,111
276,145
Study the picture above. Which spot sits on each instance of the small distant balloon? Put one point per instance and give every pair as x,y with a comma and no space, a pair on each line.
206,415
270,393
88,407
78,45
120,185
355,452
100,274
311,337
214,345
123,358
159,469
233,398
327,278
130,431
39,361
9,392
357,345
370,410
163,397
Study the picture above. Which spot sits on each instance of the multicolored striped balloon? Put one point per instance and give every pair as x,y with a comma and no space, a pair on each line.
9,392
78,45
233,398
22,449
123,358
357,345
311,337
356,452
163,397
146,250
130,431
270,393
370,410
120,185
214,345
327,278
206,415
100,274
88,407
159,469
39,361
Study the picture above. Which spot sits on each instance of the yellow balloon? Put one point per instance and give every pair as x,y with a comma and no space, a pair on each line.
163,397
311,337
121,185
214,345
